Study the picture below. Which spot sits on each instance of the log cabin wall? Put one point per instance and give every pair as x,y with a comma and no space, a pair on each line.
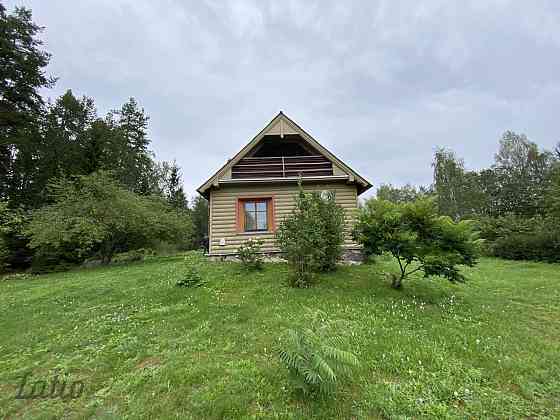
224,235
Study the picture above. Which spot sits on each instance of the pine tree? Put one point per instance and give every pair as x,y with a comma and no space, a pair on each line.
200,221
175,194
137,168
22,74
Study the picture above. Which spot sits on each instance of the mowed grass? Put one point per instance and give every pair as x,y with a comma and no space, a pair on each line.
147,349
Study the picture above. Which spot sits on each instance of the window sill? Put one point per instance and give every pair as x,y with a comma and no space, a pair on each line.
261,232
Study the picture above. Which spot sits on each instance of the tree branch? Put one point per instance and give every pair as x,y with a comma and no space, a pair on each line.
400,265
415,270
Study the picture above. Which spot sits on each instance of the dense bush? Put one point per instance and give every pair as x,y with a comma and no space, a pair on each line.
313,357
418,238
4,230
14,252
494,228
553,193
311,237
250,254
4,253
521,238
132,256
538,246
94,216
332,228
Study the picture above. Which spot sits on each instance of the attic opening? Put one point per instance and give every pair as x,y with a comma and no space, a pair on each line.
281,157
277,146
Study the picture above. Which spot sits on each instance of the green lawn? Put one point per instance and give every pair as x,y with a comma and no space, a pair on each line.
147,349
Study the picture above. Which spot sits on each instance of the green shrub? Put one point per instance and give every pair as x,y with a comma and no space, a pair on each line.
17,277
311,237
332,227
250,254
418,238
130,256
4,254
537,246
95,216
14,250
188,274
48,261
313,357
493,228
521,238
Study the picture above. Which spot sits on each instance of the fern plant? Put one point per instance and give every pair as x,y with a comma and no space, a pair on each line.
314,357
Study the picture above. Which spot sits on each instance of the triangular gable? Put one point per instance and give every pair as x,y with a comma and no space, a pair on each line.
283,125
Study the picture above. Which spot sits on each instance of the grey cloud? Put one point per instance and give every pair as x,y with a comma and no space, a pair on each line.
381,83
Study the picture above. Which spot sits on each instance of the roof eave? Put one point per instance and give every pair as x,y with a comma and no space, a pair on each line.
246,181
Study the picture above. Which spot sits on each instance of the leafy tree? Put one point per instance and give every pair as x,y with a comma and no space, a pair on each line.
418,238
311,237
553,198
523,175
403,194
489,190
449,175
22,75
516,183
94,216
199,214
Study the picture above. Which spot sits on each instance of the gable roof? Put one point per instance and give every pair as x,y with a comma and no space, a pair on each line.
281,124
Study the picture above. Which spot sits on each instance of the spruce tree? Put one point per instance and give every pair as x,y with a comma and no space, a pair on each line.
22,74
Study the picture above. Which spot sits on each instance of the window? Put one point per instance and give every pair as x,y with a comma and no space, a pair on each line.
255,215
256,218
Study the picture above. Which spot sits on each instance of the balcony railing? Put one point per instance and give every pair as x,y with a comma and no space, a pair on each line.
282,167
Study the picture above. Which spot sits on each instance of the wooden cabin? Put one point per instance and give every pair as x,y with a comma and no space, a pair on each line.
254,190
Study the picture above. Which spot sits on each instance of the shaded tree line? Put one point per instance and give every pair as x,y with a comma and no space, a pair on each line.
515,201
44,145
517,183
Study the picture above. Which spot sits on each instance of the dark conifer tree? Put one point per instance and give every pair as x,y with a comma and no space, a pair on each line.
22,74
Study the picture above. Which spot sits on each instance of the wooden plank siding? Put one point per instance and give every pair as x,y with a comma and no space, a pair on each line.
223,213
282,167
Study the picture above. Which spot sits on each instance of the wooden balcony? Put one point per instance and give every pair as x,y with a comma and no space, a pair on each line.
282,167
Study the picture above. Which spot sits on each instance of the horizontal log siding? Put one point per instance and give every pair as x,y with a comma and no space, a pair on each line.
223,212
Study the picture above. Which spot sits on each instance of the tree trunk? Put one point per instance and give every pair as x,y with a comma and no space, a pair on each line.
396,281
107,253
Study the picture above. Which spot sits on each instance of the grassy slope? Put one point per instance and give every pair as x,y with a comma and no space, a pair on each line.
147,349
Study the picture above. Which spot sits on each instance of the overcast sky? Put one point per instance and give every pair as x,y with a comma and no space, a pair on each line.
380,83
